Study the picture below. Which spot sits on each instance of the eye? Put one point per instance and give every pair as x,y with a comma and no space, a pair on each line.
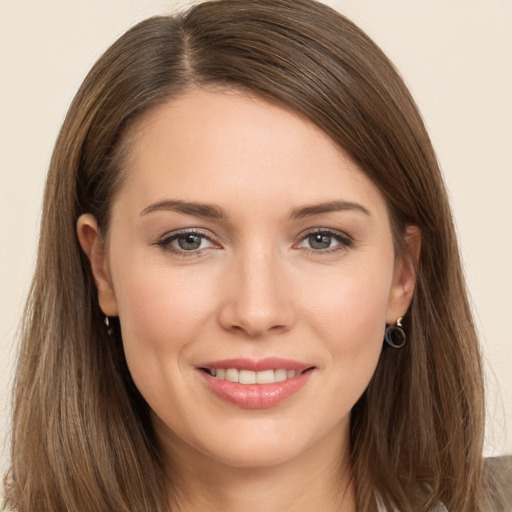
186,241
325,241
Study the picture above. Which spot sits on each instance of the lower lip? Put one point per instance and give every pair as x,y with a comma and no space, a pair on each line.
256,396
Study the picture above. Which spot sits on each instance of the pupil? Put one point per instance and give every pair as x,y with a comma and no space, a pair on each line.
189,242
320,241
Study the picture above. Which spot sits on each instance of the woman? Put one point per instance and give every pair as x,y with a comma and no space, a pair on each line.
243,203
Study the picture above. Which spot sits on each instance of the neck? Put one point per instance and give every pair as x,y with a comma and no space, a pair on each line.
318,479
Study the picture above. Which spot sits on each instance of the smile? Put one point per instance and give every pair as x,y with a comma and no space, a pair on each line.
255,384
253,377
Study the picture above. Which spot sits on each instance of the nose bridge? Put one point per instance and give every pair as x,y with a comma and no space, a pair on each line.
258,299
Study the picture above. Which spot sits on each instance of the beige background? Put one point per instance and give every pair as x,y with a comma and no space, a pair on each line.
456,56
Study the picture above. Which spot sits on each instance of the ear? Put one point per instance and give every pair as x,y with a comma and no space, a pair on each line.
93,245
404,276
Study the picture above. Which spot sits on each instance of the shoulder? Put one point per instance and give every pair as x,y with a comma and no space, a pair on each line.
498,482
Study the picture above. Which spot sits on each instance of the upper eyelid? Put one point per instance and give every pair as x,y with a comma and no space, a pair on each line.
186,231
169,237
331,231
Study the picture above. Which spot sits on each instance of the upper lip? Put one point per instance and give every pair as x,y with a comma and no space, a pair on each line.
257,365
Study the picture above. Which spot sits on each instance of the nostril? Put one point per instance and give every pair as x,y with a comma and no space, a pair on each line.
278,328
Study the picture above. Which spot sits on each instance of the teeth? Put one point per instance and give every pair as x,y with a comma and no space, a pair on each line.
280,375
232,375
250,377
247,377
265,377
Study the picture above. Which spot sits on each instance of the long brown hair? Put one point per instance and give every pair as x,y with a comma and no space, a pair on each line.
82,438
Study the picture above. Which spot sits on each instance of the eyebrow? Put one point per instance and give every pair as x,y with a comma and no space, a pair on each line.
328,207
209,211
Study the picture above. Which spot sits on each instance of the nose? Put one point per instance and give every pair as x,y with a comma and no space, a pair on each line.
257,299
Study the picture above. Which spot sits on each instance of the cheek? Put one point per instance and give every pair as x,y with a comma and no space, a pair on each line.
161,313
349,315
352,304
152,294
352,327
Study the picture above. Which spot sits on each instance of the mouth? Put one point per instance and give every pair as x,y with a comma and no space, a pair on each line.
256,384
240,376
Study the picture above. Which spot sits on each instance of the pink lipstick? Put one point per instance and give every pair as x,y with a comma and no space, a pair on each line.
255,384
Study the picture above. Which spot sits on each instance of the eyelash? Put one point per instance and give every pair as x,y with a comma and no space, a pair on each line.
344,242
166,241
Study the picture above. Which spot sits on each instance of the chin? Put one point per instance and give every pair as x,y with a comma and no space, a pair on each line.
268,443
265,456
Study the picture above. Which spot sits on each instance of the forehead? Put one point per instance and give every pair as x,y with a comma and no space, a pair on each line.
225,145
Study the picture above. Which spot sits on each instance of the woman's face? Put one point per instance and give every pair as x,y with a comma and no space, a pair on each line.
252,267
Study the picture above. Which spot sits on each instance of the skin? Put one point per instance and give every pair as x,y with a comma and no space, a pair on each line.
256,287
